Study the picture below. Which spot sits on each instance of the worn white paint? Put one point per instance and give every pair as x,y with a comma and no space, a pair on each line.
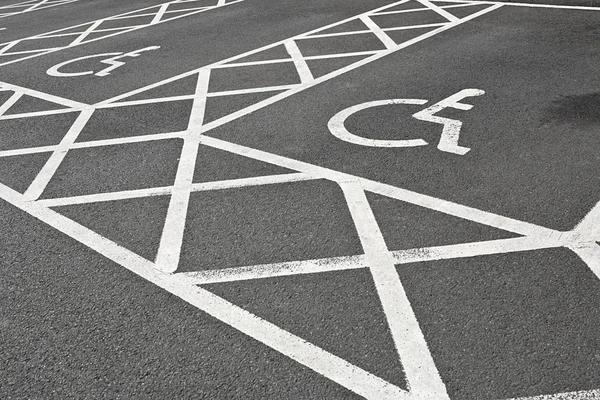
423,377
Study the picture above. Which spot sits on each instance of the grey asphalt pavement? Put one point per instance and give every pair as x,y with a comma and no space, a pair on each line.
209,235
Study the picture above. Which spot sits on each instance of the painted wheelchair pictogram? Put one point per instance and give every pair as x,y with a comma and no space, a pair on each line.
450,132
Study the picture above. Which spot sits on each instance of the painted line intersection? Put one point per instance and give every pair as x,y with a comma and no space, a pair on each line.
423,379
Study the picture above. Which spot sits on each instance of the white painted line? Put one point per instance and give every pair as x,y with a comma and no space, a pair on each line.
381,35
580,395
590,254
43,177
95,143
102,197
299,88
313,357
251,90
377,54
167,258
299,61
10,102
159,14
147,101
458,210
439,10
165,190
125,30
590,224
45,96
275,270
36,114
424,9
421,373
531,5
473,249
86,33
254,181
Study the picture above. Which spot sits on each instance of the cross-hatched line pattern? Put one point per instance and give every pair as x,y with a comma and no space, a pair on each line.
29,6
423,379
12,52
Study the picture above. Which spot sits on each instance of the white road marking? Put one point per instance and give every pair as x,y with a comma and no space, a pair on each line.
88,28
275,270
531,5
166,190
299,62
43,177
421,373
439,10
167,258
112,61
337,128
29,6
580,395
313,357
451,131
382,264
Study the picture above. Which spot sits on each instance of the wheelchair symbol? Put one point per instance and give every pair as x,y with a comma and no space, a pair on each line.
450,132
112,61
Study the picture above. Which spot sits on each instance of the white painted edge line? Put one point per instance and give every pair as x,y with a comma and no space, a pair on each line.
166,190
313,357
275,270
579,395
531,5
421,373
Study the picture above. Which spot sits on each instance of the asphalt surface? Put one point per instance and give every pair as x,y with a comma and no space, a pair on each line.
81,323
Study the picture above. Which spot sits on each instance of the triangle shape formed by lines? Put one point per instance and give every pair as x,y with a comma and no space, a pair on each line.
409,5
325,66
354,25
407,226
339,312
278,52
221,106
99,35
400,36
467,10
17,172
185,86
135,224
219,165
29,104
402,20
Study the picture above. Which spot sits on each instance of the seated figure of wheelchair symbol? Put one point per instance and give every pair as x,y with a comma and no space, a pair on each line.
450,131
